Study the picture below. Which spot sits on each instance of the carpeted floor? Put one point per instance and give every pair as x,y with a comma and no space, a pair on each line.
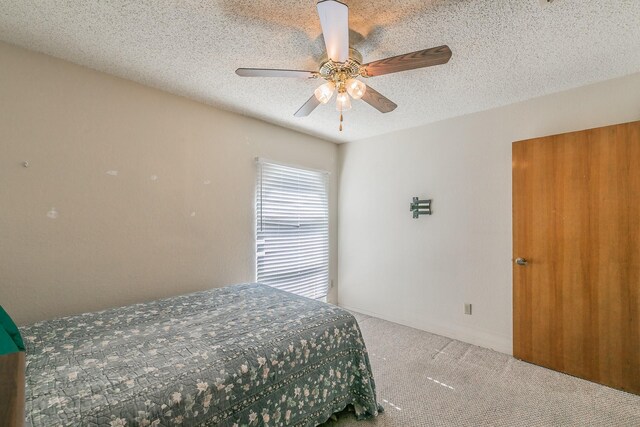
424,379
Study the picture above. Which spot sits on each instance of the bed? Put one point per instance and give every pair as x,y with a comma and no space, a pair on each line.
243,355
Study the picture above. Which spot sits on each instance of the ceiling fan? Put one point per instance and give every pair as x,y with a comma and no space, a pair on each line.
343,65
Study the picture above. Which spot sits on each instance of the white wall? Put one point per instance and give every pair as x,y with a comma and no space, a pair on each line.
421,272
126,238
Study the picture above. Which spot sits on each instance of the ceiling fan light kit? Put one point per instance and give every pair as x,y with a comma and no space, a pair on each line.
325,92
356,88
343,102
343,66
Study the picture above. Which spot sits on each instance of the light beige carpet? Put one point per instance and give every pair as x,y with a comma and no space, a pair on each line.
424,379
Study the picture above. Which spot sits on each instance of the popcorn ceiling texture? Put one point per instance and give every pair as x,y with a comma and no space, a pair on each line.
504,51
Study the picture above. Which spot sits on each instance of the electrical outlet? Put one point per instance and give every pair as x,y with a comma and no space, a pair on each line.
467,308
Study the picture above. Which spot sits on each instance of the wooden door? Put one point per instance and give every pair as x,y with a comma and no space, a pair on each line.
576,223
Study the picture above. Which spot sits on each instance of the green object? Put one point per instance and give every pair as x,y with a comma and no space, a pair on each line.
9,327
6,343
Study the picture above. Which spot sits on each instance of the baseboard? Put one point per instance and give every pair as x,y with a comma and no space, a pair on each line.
475,337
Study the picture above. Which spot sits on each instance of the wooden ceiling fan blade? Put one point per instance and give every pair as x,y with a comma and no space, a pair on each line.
409,61
308,107
266,72
334,19
378,101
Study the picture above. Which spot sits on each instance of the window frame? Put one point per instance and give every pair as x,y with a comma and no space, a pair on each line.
323,175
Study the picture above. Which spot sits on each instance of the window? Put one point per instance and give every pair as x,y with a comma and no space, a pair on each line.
292,251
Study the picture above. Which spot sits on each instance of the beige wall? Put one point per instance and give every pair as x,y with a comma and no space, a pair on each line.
421,272
126,238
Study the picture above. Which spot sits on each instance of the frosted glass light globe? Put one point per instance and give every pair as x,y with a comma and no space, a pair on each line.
343,102
356,88
325,92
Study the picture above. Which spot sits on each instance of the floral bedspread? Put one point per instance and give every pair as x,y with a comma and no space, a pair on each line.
244,355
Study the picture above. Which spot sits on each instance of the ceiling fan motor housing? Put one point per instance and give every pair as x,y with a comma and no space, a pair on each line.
340,72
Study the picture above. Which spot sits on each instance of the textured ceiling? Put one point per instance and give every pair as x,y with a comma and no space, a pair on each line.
504,51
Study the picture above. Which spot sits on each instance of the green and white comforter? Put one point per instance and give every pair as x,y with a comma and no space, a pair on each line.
244,355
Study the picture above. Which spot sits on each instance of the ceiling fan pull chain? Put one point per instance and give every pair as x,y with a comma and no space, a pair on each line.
340,122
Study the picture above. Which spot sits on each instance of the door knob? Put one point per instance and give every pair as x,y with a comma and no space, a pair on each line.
521,261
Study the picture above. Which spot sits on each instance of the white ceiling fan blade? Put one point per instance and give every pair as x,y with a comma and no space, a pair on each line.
334,19
308,107
267,72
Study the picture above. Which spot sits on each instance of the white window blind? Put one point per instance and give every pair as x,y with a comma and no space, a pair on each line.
292,236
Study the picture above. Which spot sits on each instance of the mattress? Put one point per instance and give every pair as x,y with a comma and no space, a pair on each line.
243,355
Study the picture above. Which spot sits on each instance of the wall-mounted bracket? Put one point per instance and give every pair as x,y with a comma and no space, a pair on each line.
420,207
